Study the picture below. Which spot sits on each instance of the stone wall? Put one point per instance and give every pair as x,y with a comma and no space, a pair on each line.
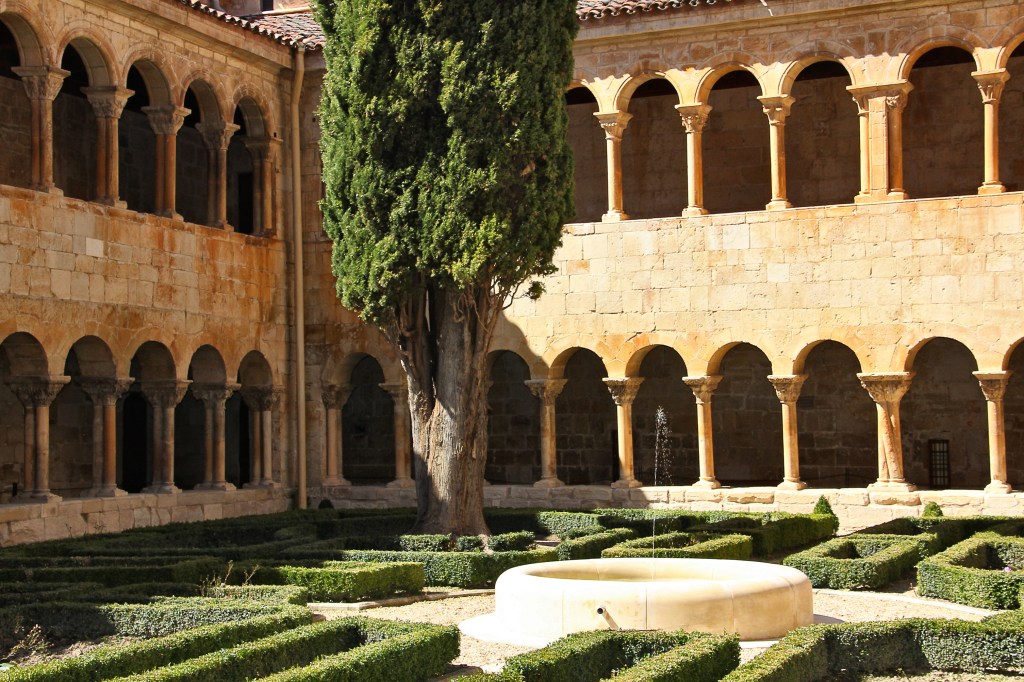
513,424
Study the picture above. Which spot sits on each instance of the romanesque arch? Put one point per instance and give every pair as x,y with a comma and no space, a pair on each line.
513,422
138,158
19,47
585,423
587,140
654,153
368,431
662,371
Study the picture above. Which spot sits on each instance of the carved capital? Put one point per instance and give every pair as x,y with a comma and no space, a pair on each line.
623,390
262,148
37,391
214,395
42,83
547,390
886,388
694,116
993,384
335,396
787,386
991,84
776,108
166,120
396,390
703,387
104,390
614,123
107,101
217,134
164,393
262,398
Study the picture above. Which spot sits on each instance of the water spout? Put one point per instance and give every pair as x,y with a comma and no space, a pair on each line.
602,611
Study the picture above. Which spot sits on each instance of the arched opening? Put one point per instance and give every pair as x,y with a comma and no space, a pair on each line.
75,134
654,153
256,381
662,371
151,366
944,113
21,355
586,428
822,138
15,115
1013,408
747,424
137,141
836,421
241,180
194,180
1011,124
205,370
943,419
737,156
590,174
368,427
513,423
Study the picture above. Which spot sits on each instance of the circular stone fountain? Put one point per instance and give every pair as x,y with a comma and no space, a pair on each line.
538,603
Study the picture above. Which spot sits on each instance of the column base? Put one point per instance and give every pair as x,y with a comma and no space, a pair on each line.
707,484
162,489
627,483
791,485
614,217
402,483
892,487
998,487
694,211
268,484
335,482
777,205
222,225
994,188
48,189
548,483
105,491
223,486
113,202
37,498
897,195
170,214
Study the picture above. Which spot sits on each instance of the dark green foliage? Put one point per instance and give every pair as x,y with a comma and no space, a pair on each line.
822,506
352,581
456,569
970,572
366,526
564,524
684,546
772,532
469,543
932,510
702,659
189,571
126,659
859,562
591,546
402,543
518,541
948,531
648,521
272,594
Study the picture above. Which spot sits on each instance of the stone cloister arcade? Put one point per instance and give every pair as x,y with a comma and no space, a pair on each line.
106,427
137,133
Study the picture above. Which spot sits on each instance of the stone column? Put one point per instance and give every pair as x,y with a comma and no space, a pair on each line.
217,137
263,152
163,396
403,436
991,84
614,125
887,389
252,401
166,121
214,397
895,103
695,117
787,388
267,401
42,83
104,393
547,390
36,394
882,108
624,393
993,385
864,125
107,105
335,398
703,388
777,109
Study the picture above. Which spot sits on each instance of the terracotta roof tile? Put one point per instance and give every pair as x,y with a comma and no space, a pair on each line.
597,9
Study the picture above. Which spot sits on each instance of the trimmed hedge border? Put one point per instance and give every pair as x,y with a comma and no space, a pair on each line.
591,546
773,531
349,580
960,573
126,659
189,571
859,562
685,546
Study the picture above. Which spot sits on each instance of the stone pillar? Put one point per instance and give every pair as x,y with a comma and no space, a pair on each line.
864,125
993,385
547,390
214,397
107,104
217,137
695,117
263,152
166,121
887,389
36,394
42,83
777,109
614,125
787,388
882,108
252,402
991,84
703,388
335,398
163,396
262,402
624,393
403,436
895,103
104,393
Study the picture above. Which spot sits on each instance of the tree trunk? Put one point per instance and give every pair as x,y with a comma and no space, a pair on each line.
448,407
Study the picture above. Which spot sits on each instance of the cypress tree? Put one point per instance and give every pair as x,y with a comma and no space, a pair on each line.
448,177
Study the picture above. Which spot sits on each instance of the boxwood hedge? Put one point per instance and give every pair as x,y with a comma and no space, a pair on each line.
971,572
591,546
860,562
348,580
684,546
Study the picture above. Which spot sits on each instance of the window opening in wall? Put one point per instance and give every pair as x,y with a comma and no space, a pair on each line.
135,448
15,116
193,165
137,148
241,179
74,131
589,151
938,467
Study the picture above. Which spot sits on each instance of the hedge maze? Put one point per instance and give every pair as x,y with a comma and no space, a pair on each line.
227,600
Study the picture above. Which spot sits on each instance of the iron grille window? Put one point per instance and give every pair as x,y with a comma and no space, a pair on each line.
938,451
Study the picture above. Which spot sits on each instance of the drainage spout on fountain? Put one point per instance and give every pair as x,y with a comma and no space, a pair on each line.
603,612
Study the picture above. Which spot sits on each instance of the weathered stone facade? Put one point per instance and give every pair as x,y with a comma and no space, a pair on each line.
797,231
